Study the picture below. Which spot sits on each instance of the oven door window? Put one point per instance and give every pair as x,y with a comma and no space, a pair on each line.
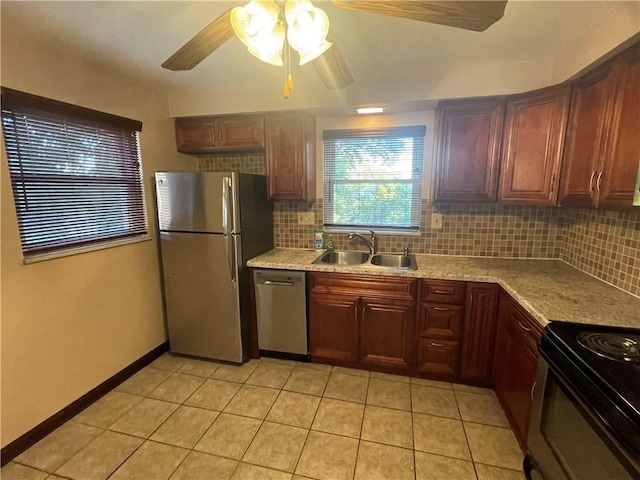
575,441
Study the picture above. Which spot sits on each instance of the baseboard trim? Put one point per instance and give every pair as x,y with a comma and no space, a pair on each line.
43,429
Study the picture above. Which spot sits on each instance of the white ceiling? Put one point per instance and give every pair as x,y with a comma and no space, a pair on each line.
391,59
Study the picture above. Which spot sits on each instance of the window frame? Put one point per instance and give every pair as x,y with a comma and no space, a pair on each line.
417,133
119,145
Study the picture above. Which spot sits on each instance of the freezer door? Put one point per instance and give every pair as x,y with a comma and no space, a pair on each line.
201,294
197,202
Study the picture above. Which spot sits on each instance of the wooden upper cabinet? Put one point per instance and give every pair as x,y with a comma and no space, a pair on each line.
534,131
225,133
291,150
468,134
603,141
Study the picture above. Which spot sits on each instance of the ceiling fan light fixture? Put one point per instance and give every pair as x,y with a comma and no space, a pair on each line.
268,47
306,57
255,20
307,28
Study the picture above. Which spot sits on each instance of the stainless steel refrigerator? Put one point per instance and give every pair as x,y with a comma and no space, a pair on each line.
210,224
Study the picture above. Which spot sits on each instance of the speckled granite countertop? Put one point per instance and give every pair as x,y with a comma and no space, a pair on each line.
547,289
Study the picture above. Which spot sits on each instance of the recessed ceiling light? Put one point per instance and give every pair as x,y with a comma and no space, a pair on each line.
365,110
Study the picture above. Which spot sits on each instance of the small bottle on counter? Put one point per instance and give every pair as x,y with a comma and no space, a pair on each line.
330,247
317,240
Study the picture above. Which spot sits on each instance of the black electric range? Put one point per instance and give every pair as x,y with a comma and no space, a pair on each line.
601,364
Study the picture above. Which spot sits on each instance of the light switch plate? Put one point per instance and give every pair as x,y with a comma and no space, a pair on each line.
436,221
306,218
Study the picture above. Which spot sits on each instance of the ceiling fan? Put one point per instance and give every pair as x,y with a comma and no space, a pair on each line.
269,28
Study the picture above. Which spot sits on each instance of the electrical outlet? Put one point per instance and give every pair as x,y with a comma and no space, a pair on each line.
306,218
436,221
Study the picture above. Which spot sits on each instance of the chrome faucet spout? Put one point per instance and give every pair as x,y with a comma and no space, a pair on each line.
369,242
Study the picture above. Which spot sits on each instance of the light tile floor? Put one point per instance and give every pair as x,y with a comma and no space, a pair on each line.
188,419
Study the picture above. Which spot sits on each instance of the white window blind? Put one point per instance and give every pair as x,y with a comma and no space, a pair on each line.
373,178
75,172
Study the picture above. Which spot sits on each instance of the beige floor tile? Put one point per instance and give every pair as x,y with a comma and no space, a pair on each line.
185,427
238,374
328,457
169,362
383,462
389,394
434,401
442,436
351,371
481,409
143,419
300,477
229,436
339,417
347,387
152,460
316,366
388,426
55,477
437,467
177,388
101,457
431,383
487,472
276,446
108,409
389,377
201,466
213,395
15,471
469,389
200,368
59,446
252,401
253,472
270,375
278,361
295,409
144,381
306,380
493,446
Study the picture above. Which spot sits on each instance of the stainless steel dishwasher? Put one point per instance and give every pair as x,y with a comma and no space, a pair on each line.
281,311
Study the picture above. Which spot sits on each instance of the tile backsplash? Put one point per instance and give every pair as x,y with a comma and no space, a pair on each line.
602,243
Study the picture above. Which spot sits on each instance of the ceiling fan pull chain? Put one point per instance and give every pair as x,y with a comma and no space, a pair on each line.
286,54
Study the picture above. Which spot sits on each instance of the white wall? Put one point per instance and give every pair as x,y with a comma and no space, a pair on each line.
69,324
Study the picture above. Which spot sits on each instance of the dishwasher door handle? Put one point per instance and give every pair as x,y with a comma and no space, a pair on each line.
282,284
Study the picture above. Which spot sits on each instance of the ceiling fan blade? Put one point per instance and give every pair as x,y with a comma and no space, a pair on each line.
333,69
474,15
202,45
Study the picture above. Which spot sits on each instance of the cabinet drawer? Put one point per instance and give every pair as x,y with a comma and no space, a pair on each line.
525,328
363,285
440,320
438,356
443,291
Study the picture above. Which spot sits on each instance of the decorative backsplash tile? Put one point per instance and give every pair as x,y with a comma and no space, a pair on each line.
602,243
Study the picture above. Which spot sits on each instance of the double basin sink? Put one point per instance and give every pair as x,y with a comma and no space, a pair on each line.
394,261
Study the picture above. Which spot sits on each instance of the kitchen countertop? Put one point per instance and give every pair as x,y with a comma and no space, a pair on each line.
547,289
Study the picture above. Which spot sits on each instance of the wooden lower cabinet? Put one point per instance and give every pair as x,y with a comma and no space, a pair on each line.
437,356
516,360
333,327
386,332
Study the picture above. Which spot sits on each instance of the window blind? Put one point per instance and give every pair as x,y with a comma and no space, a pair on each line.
373,178
76,174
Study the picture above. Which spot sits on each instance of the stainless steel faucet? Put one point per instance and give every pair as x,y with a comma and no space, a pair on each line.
371,242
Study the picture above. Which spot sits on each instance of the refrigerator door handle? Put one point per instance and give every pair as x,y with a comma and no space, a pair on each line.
226,206
231,256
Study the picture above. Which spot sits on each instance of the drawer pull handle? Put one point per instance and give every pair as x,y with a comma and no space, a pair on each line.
437,344
599,180
442,292
533,389
524,327
441,309
593,175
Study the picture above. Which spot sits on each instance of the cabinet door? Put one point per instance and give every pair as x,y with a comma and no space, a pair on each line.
590,103
440,357
615,182
478,342
387,329
532,146
439,320
468,149
290,147
333,326
241,133
196,135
